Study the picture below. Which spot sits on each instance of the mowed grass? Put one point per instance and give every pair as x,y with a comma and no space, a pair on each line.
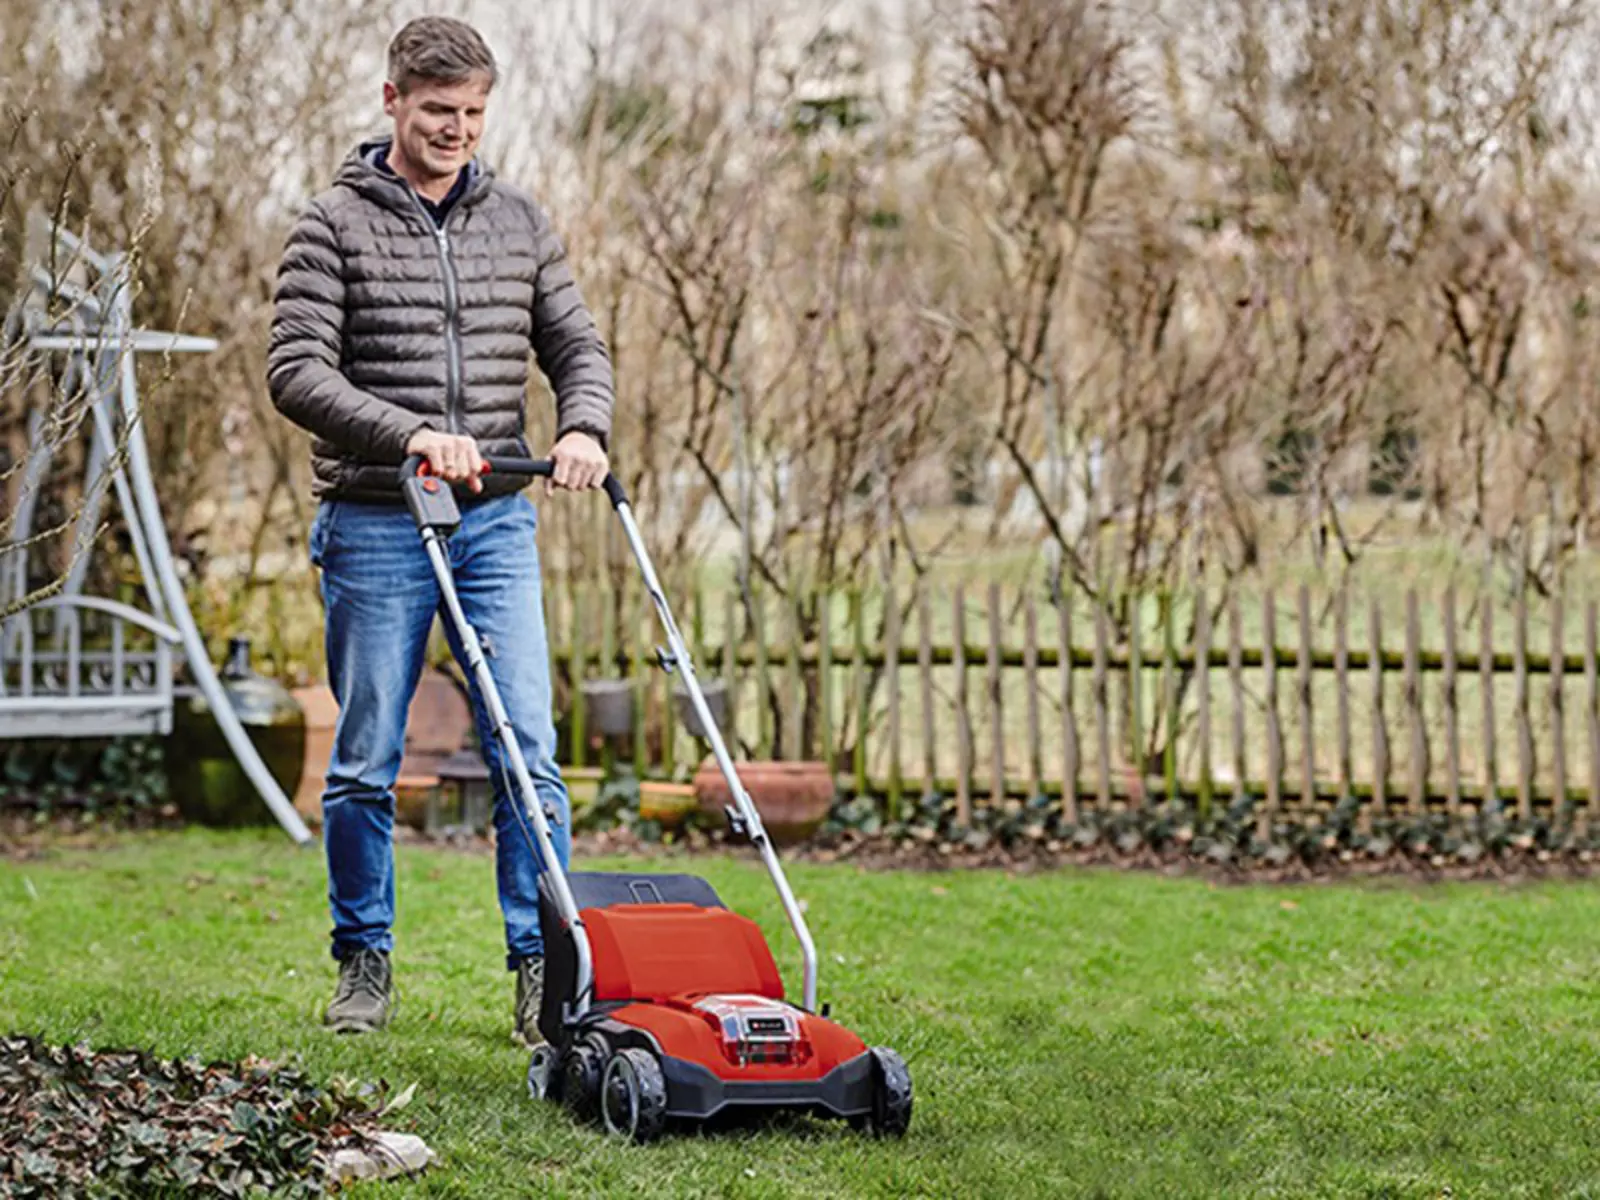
1070,1034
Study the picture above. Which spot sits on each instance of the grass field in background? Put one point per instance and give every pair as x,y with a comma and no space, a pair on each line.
1069,1034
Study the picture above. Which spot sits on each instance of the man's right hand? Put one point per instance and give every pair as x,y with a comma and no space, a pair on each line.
451,457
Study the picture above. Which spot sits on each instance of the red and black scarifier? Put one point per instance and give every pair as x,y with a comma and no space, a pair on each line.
659,1002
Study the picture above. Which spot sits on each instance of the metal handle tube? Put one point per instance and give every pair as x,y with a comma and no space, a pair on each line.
543,468
746,807
478,664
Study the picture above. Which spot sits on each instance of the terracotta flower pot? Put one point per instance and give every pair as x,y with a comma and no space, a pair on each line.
793,798
411,796
438,722
322,715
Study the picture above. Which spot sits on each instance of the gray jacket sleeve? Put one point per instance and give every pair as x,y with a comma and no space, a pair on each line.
566,343
303,354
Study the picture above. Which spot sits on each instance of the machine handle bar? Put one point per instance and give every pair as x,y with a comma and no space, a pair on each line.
533,468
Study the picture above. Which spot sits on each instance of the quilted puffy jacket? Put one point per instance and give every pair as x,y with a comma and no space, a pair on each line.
384,324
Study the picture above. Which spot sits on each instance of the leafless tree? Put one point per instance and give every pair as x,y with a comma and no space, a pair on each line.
1184,286
201,129
1425,155
45,409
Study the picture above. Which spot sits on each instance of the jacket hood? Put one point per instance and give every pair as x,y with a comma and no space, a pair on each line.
360,170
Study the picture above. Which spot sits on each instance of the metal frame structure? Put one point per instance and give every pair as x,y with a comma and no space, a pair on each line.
436,515
65,690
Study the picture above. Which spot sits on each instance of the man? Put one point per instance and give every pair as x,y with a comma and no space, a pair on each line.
409,297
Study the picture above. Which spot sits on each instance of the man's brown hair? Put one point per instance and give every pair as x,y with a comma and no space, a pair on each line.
439,49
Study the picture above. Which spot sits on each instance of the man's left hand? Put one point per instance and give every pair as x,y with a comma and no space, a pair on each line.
580,463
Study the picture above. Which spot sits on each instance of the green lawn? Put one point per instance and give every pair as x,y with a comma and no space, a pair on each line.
1069,1034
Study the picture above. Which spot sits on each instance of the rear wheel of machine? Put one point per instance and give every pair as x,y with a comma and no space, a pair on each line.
544,1073
891,1096
580,1079
633,1095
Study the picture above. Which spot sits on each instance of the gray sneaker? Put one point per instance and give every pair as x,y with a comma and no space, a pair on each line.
361,1005
530,995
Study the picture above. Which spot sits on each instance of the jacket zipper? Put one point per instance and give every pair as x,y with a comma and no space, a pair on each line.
452,333
452,309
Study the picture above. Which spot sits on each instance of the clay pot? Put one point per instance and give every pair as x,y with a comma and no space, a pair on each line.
438,722
322,715
716,697
412,796
583,788
668,804
793,798
608,706
208,784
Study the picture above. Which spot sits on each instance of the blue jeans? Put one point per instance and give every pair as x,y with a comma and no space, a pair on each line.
380,597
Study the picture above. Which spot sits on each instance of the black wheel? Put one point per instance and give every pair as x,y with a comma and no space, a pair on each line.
633,1096
544,1073
891,1095
580,1078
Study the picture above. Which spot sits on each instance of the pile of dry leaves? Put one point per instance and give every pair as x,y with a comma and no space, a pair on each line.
74,1121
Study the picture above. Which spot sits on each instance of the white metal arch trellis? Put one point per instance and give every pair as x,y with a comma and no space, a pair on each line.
63,689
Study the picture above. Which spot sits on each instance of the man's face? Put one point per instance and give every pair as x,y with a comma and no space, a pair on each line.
437,126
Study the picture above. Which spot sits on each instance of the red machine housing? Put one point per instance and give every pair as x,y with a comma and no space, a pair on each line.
666,961
697,985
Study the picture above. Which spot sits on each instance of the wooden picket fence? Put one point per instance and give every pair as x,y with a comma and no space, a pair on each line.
909,692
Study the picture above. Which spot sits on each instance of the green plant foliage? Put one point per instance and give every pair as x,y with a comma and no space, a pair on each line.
1230,836
92,774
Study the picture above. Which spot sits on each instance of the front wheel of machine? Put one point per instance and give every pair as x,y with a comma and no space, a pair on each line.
891,1095
633,1095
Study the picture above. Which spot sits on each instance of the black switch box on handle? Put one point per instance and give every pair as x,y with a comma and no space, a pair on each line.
429,498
